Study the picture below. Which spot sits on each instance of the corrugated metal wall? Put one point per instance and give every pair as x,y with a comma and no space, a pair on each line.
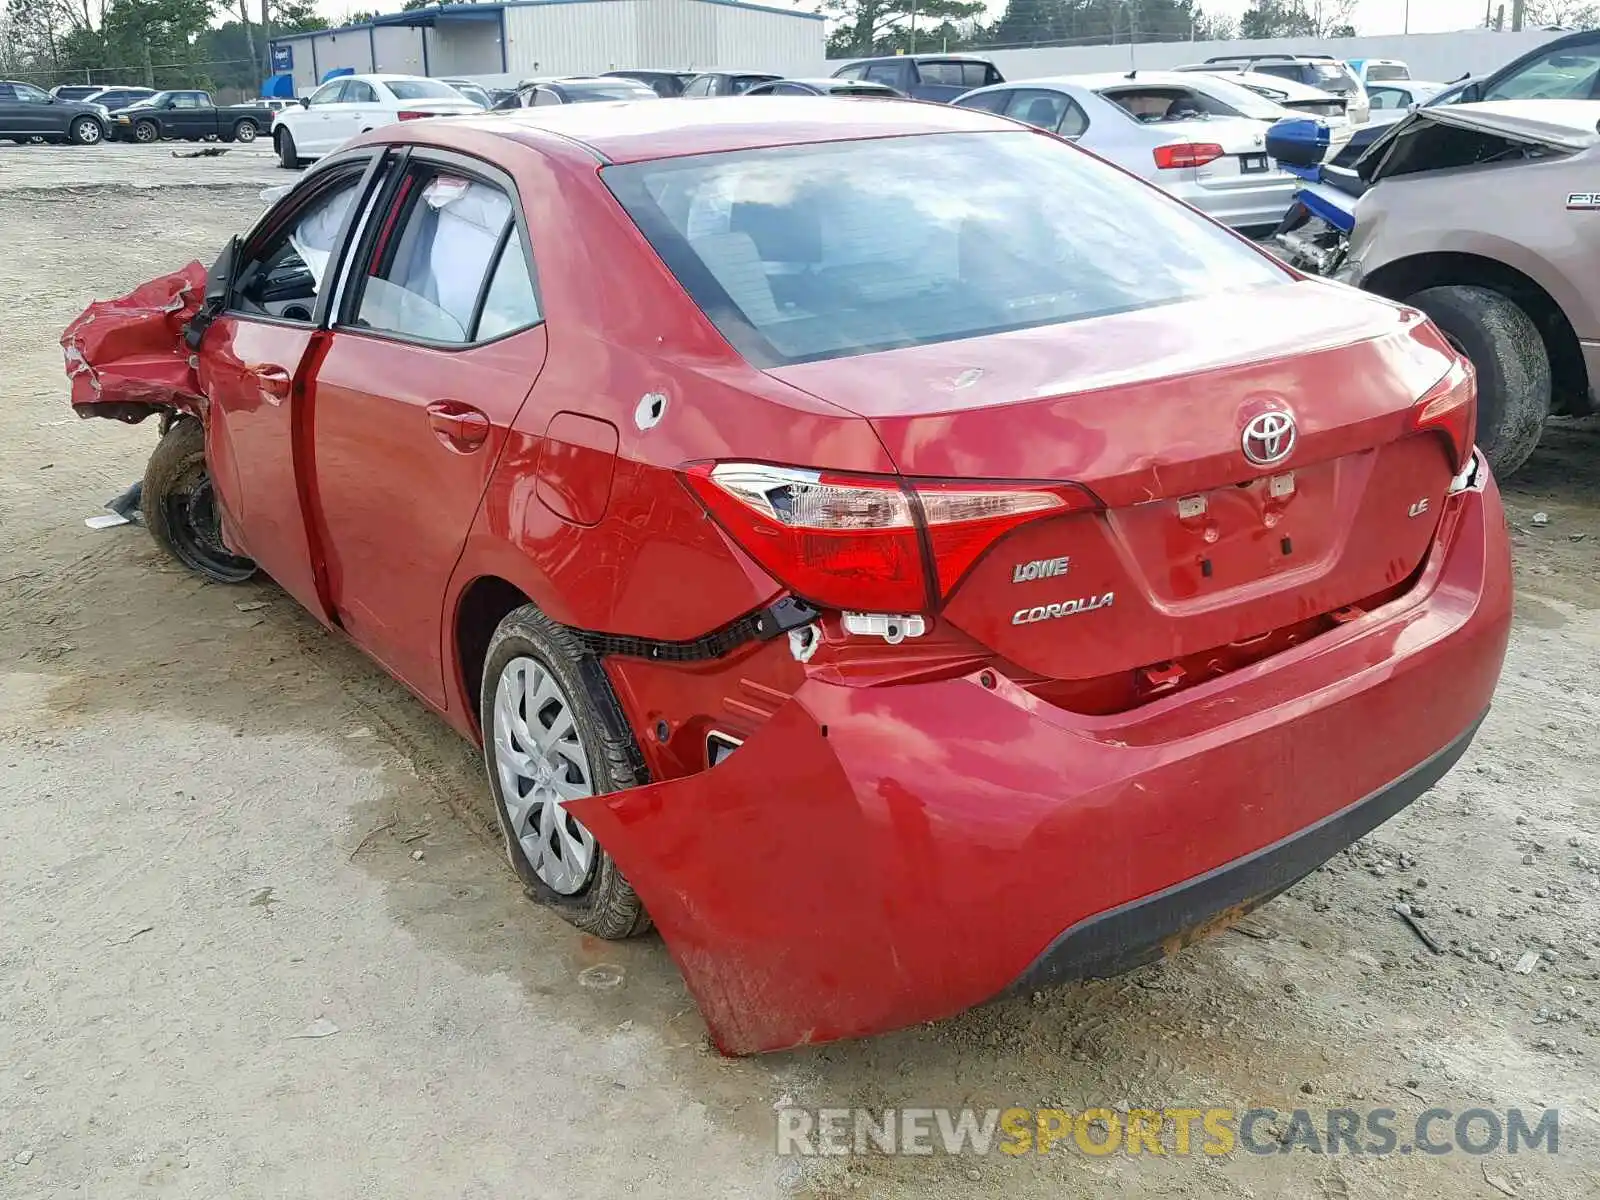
399,50
601,35
351,48
464,48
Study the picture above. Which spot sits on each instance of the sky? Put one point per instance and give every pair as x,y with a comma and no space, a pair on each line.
1370,16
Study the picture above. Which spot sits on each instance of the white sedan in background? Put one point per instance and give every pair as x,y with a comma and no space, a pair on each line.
352,104
1201,142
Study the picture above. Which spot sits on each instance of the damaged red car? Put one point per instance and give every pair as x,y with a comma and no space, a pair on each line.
899,593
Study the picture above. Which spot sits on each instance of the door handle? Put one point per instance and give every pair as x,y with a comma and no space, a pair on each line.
273,382
458,426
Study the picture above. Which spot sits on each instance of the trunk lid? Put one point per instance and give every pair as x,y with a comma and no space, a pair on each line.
1196,549
1244,160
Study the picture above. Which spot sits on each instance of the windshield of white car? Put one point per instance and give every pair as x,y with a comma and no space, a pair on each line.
801,253
421,89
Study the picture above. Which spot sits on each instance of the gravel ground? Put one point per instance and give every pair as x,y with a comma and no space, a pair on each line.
215,811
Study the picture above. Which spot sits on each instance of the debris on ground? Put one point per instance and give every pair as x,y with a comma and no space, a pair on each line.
1540,519
320,1028
1527,963
202,152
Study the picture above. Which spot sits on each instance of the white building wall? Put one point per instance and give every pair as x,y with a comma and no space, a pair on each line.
565,39
464,48
603,35
1433,56
400,50
338,48
676,35
754,40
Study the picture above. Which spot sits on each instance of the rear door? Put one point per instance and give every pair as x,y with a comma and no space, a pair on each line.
254,363
438,340
359,108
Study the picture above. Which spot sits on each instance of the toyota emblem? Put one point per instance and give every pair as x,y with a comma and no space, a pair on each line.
1268,438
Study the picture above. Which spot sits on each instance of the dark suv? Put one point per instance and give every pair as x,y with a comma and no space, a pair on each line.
27,112
940,77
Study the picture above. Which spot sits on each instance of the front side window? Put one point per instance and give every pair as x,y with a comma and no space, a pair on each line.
825,251
286,274
1559,75
698,87
328,93
1388,97
433,262
854,72
188,100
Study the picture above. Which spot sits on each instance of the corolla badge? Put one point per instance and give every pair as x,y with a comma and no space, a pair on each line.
1269,437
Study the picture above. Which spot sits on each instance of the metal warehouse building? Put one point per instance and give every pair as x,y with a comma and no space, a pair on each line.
509,41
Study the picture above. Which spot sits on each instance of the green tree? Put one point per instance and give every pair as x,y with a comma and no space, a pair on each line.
1297,18
884,26
1092,22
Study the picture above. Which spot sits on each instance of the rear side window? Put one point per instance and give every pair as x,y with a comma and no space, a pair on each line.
450,249
743,83
698,87
825,251
357,92
884,73
854,72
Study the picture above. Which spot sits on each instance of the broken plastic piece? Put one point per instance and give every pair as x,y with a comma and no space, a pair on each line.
892,628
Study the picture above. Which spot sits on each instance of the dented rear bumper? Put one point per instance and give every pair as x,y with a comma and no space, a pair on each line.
874,857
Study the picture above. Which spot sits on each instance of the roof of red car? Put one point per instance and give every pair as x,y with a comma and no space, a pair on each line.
634,131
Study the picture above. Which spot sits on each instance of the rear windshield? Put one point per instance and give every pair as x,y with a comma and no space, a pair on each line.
421,89
1332,77
826,251
1380,74
621,89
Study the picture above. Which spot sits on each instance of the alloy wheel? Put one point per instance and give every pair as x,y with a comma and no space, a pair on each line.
541,763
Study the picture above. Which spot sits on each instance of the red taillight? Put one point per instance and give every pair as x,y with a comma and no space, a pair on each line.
1187,154
855,541
1451,407
414,116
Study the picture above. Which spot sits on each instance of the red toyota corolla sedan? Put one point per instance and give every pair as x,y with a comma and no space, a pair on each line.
900,555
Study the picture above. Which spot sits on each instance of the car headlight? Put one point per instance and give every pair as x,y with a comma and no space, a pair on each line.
124,120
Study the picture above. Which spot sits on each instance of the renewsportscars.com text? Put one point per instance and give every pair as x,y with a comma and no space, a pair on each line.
1164,1131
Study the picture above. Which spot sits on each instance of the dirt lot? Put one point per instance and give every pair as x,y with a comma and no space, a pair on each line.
213,808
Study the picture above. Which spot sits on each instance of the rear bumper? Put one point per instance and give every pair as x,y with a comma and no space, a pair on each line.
1110,943
874,857
1246,203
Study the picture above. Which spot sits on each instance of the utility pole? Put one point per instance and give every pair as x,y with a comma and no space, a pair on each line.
1517,13
266,39
1407,28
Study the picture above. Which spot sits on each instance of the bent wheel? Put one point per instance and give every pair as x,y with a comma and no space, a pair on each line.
553,733
180,507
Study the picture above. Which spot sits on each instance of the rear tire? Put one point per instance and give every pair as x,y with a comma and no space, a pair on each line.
598,900
180,509
284,141
245,131
1513,367
147,132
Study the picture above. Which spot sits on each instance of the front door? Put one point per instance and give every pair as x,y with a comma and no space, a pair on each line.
190,115
317,133
254,363
32,112
439,341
